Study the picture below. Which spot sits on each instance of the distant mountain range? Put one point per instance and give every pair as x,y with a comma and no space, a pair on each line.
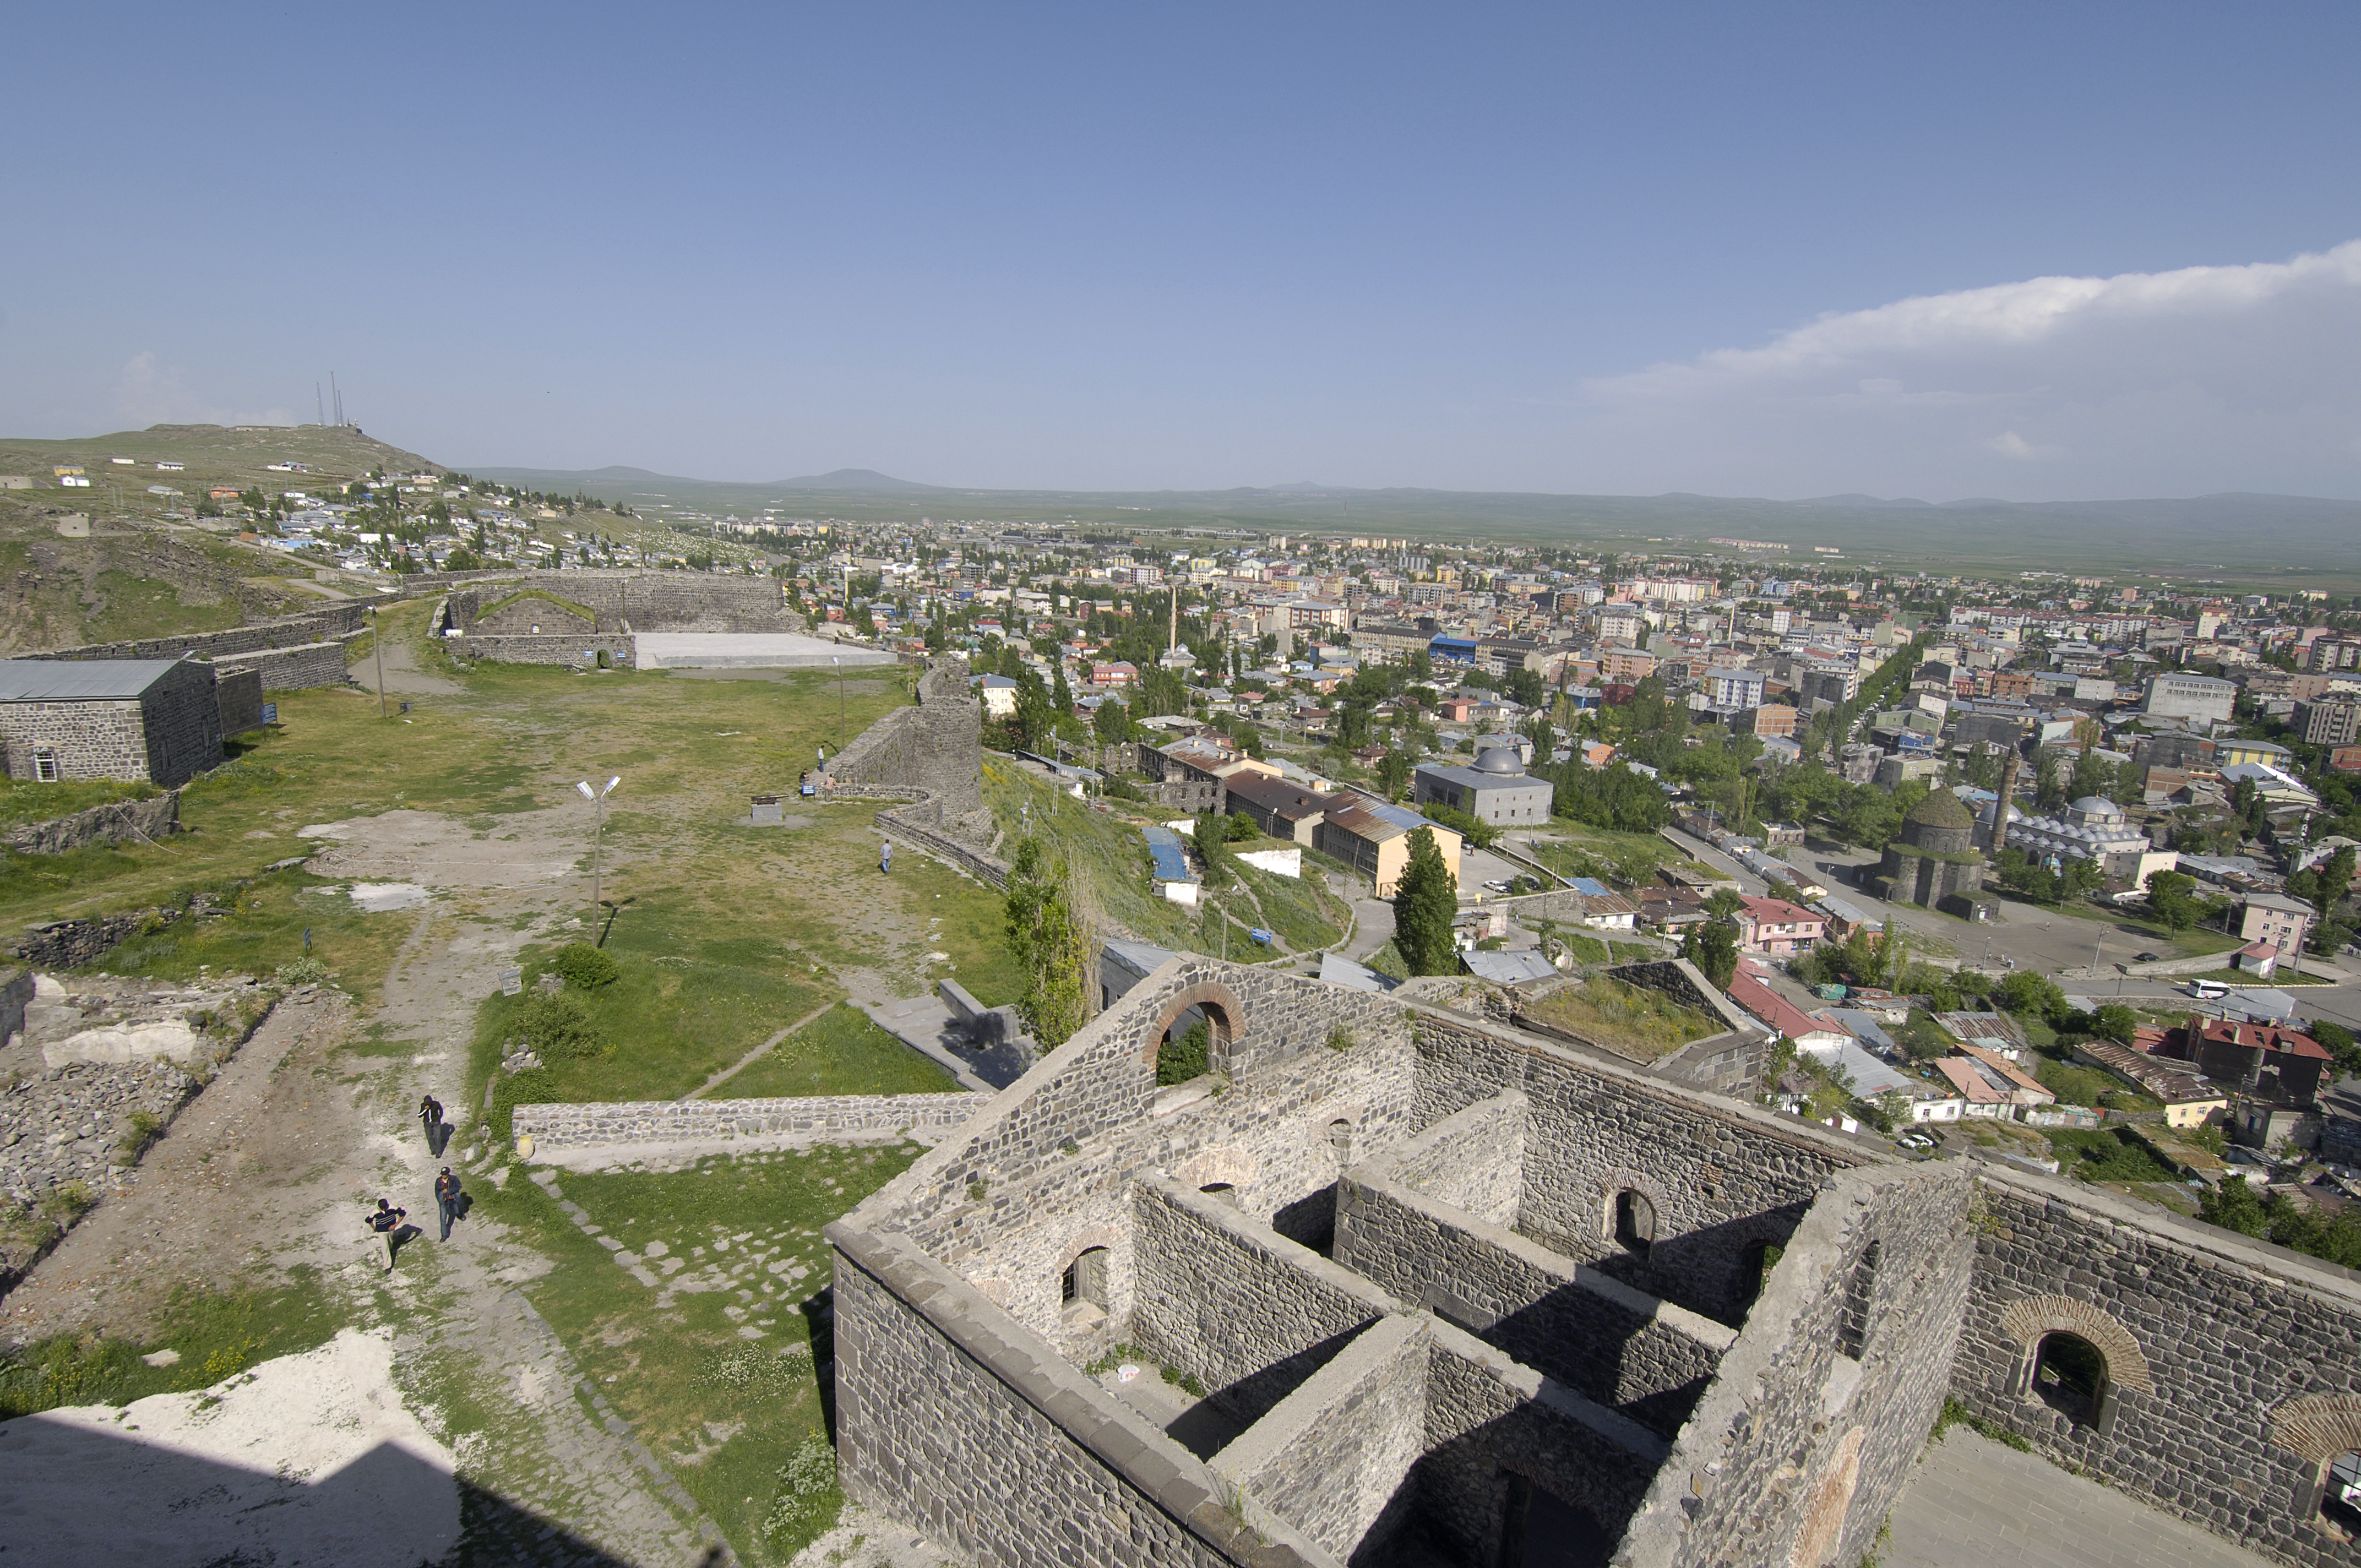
2244,537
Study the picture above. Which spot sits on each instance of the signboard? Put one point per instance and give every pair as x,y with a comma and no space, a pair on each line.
512,982
270,713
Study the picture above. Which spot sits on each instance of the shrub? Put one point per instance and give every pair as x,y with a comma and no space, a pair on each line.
557,1027
806,1488
585,966
1178,1061
306,971
137,1134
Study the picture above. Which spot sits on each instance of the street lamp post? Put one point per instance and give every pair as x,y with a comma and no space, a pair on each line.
597,799
377,643
840,701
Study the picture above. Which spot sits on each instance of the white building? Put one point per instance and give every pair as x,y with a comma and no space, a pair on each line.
2187,696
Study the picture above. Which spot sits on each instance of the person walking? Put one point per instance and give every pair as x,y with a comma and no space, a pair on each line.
447,1200
385,1222
430,1113
885,859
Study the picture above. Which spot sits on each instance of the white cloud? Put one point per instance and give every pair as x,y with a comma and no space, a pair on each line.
2205,378
147,392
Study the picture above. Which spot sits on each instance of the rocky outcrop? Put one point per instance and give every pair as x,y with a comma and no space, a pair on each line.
112,823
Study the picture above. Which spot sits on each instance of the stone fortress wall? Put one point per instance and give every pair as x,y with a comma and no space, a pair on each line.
1427,1267
290,653
571,603
934,750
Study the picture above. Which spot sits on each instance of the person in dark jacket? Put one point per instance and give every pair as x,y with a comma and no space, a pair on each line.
385,1222
447,1200
430,1113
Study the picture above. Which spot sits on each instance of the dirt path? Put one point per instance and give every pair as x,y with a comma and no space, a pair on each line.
226,1187
402,674
271,1167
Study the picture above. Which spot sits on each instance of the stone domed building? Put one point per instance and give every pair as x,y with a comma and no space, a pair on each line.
1935,862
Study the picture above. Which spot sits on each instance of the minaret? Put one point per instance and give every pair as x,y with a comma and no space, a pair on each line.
1999,839
1173,640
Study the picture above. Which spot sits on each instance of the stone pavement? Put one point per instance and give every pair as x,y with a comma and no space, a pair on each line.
1974,1503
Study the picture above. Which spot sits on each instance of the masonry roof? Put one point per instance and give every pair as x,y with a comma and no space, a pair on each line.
79,680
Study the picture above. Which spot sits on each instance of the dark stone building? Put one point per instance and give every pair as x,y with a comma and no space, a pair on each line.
1935,862
62,720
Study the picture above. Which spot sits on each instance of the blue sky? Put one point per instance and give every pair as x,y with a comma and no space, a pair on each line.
1579,249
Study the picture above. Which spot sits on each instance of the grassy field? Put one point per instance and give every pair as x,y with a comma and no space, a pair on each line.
215,1336
841,1052
719,1373
1630,857
1625,1019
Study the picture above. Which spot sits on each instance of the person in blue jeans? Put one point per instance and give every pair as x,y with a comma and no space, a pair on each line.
447,1200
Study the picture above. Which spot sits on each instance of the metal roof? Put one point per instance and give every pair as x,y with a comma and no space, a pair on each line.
79,680
1171,863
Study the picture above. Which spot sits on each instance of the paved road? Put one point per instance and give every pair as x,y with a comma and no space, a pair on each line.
1974,1503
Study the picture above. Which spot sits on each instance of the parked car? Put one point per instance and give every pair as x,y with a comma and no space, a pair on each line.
2147,957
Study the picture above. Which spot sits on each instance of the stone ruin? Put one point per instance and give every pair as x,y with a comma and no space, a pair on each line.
931,755
1448,1288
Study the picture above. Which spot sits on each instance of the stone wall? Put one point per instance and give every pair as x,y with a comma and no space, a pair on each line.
327,624
182,723
1648,1359
1805,1436
1332,1458
1722,1178
92,740
625,602
300,667
237,697
1018,1459
1491,1425
908,823
1246,1312
622,651
820,1117
2220,1351
112,823
937,746
1473,1160
1045,1172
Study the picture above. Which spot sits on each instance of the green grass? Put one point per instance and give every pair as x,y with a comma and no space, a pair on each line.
264,927
22,801
724,1414
147,607
217,1335
2108,1155
1106,851
1625,1019
842,1051
1300,911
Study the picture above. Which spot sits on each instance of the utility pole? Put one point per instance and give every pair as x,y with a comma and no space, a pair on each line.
376,646
839,663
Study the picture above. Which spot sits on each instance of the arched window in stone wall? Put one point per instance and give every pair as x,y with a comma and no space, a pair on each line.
2075,1358
2324,1430
1340,1139
1083,1291
2340,1498
1860,1292
1221,1192
1634,1221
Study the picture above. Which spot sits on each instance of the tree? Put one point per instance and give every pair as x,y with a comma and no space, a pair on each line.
1525,687
2172,895
1426,901
1393,772
1050,936
1712,945
1476,831
1212,842
1112,722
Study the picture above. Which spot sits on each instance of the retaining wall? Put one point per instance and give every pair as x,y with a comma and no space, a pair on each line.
937,747
822,1117
327,624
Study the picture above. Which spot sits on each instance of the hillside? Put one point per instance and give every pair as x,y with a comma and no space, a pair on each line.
85,566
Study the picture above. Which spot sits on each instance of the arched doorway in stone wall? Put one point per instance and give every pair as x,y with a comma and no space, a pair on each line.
2075,1358
2324,1430
1178,1048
